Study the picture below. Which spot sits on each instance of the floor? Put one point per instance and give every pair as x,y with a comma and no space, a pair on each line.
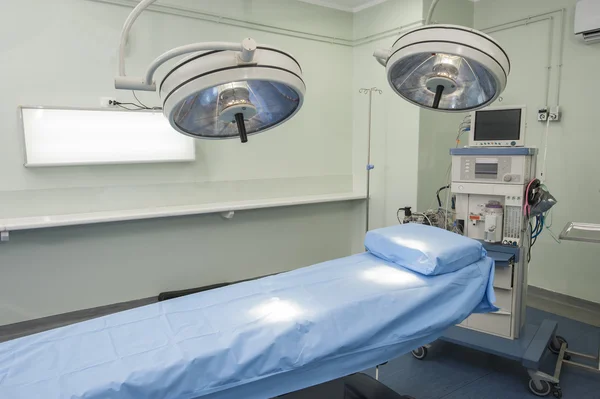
455,372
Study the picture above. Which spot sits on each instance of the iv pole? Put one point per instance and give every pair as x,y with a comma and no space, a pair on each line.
370,167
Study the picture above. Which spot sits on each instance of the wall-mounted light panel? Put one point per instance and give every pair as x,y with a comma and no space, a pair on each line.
66,137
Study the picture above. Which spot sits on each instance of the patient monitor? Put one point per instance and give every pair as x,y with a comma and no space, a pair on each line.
498,127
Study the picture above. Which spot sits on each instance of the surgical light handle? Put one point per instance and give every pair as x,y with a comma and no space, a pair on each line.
247,49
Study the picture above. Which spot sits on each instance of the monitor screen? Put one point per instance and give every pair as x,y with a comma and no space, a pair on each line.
498,125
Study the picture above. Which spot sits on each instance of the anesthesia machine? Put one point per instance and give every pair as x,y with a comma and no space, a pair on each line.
497,200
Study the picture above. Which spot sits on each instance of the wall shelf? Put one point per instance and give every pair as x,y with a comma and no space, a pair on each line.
42,222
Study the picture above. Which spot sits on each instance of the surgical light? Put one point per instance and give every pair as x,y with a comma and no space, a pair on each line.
222,90
446,67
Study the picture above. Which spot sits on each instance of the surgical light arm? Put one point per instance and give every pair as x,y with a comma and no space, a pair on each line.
247,49
382,55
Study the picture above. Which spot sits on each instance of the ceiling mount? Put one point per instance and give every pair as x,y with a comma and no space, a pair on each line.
222,90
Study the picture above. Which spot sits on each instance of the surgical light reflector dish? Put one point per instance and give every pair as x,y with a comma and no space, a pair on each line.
210,96
223,90
446,67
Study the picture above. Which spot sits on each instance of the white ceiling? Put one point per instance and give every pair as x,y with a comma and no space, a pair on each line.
345,5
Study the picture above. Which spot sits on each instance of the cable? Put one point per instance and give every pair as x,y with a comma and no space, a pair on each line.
557,240
437,194
446,212
446,181
464,127
134,104
527,207
138,100
459,135
425,216
540,229
138,107
128,109
120,104
549,220
529,246
543,173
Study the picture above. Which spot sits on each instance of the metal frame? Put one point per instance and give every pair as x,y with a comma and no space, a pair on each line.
529,350
565,354
537,376
370,166
566,233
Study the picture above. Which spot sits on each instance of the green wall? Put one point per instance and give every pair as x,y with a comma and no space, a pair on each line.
568,268
534,47
64,54
78,40
395,122
53,271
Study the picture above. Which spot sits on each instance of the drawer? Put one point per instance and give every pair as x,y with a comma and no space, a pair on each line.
503,299
494,323
503,277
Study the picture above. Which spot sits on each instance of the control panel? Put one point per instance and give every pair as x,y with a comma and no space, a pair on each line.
492,169
513,220
470,208
494,144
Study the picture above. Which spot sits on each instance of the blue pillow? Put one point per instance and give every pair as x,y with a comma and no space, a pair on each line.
424,249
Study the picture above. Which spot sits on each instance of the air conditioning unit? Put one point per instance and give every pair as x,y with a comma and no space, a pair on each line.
587,20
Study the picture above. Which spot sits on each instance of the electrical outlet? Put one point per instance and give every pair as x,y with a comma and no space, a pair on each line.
554,114
543,115
108,102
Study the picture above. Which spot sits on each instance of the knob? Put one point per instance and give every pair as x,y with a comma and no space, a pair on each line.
507,178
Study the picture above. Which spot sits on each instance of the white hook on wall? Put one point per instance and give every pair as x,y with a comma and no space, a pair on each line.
228,215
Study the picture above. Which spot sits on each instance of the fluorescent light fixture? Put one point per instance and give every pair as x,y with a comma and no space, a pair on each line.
64,137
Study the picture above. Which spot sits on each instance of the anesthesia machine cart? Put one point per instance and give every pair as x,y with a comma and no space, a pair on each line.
490,181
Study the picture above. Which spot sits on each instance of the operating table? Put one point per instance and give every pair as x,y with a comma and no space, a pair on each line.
254,340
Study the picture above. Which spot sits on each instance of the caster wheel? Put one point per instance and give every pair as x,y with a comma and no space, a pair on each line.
555,350
420,353
545,391
557,393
